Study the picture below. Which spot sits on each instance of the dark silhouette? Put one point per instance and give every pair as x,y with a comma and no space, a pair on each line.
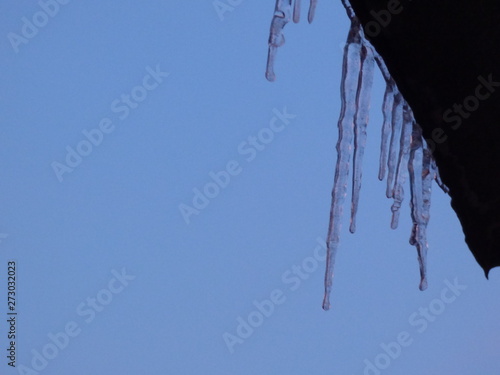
445,58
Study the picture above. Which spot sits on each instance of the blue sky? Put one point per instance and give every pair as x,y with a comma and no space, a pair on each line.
156,98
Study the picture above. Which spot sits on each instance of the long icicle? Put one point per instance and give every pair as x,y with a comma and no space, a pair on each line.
421,176
363,95
349,85
429,174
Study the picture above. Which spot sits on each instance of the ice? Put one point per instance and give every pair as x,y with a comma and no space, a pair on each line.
282,14
385,72
404,152
351,71
387,105
438,179
392,109
312,10
421,175
363,94
347,6
296,11
396,125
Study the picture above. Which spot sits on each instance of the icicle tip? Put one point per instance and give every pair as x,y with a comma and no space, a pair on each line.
270,76
312,11
423,284
326,304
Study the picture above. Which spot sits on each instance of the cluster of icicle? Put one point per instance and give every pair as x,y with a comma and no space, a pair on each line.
402,151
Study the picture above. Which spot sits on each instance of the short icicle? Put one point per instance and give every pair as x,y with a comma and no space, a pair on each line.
437,177
296,11
312,10
282,15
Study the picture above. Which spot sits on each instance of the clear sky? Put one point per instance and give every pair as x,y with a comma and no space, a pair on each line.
117,115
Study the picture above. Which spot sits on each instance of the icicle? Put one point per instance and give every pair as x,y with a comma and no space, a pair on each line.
363,94
396,125
282,14
312,10
384,70
438,178
393,120
386,127
404,151
296,11
348,91
429,173
348,8
416,185
421,176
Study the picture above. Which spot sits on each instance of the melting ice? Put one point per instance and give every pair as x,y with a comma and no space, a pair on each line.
403,151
